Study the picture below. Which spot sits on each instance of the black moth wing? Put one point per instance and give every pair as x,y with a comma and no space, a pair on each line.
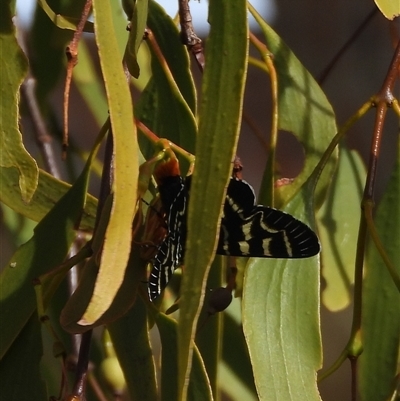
247,229
259,231
169,256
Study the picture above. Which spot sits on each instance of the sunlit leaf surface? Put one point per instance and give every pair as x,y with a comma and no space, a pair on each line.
338,222
389,8
13,67
118,237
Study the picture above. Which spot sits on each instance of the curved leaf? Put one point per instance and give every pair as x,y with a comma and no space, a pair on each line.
61,21
236,356
131,341
13,67
199,386
281,297
49,191
338,229
122,302
45,250
303,110
118,237
23,381
166,111
138,25
389,8
281,320
220,116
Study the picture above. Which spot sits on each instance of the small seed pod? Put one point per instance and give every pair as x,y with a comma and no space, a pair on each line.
219,300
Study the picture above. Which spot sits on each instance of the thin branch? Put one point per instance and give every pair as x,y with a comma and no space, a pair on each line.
43,138
72,57
382,101
82,367
154,139
368,207
163,62
267,57
188,35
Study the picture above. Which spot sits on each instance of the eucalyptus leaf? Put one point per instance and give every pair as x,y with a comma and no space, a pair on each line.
118,237
281,320
199,386
166,107
389,8
338,221
61,21
303,110
381,301
220,117
137,28
122,302
49,191
47,249
23,381
14,67
131,341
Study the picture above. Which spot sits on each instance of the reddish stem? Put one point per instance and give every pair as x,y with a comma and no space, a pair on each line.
72,57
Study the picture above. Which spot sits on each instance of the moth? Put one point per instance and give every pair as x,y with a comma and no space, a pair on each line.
247,229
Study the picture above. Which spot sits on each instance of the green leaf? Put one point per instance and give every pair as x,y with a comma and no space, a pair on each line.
303,110
199,386
20,228
389,8
118,237
209,335
20,368
123,300
220,116
49,191
14,67
132,345
281,320
381,301
281,297
89,85
45,250
166,107
138,25
233,387
237,367
338,222
48,65
61,21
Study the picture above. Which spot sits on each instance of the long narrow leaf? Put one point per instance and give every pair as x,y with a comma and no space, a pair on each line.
381,301
13,67
220,116
118,236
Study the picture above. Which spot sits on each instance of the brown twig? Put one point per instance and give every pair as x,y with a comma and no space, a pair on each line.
188,36
44,141
382,100
72,57
82,367
43,138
